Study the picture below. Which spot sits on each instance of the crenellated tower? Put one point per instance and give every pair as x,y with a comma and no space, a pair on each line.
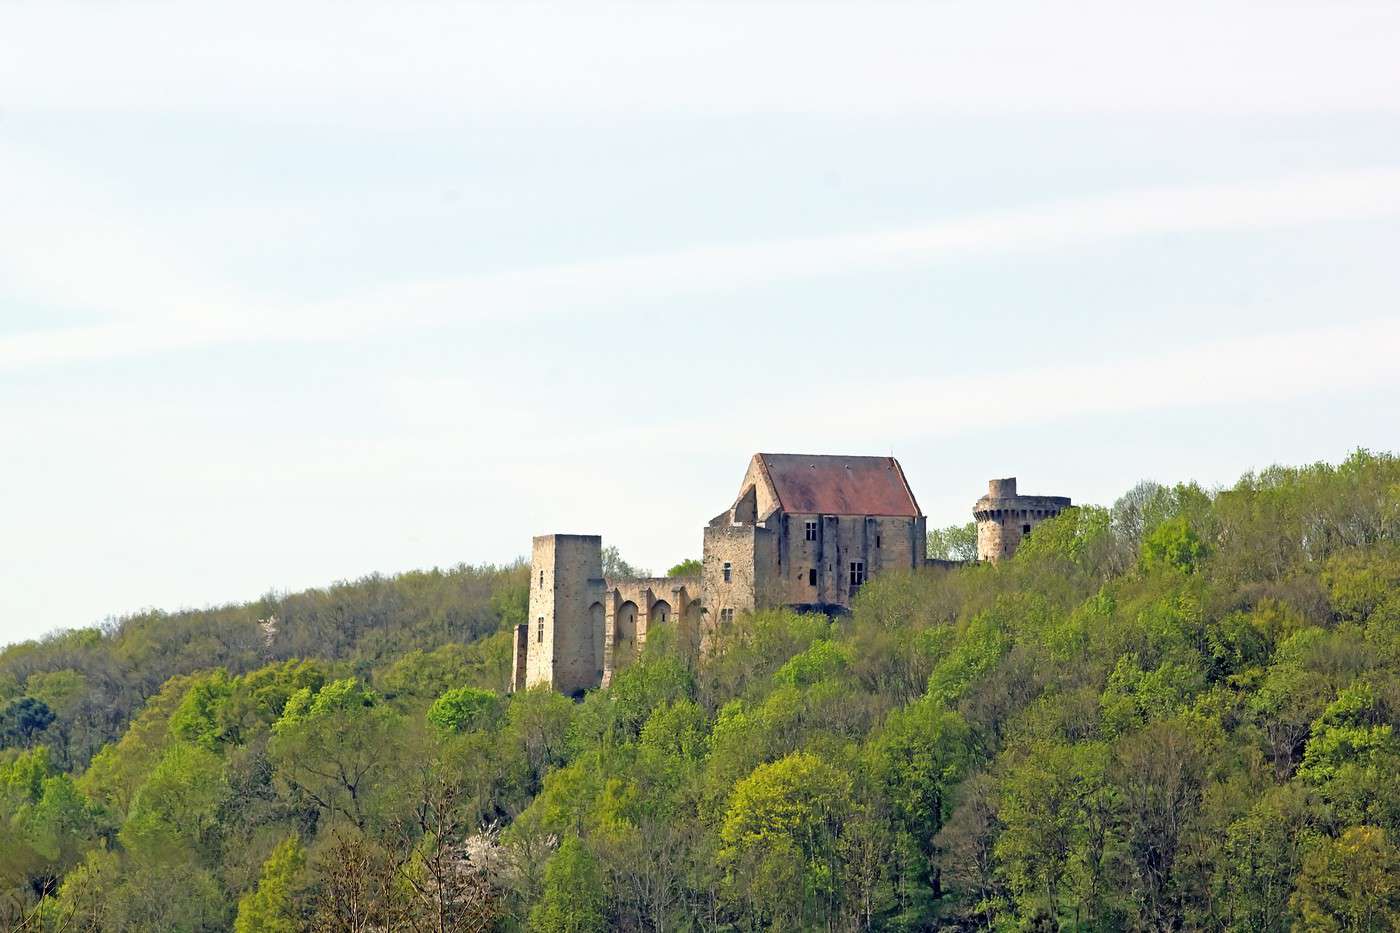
1004,517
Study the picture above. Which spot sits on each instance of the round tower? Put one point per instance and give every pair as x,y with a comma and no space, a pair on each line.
1005,517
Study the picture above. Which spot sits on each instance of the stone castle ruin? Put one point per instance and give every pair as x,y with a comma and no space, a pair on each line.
806,531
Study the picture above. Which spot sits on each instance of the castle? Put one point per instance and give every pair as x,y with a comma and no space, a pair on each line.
806,531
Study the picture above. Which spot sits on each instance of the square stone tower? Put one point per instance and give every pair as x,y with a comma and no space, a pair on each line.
566,578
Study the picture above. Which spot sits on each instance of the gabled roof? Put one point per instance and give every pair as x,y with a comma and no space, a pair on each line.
831,485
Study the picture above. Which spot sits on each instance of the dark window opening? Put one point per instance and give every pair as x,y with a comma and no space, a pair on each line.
539,630
728,572
811,531
857,572
877,540
812,577
1025,529
541,578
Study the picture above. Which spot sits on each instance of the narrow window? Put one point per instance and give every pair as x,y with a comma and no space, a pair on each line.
539,630
1025,529
857,572
541,578
877,540
812,577
728,572
811,531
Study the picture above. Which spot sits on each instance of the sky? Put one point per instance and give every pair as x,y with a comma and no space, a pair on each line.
294,293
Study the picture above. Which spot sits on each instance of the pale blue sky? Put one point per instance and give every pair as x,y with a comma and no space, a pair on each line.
293,293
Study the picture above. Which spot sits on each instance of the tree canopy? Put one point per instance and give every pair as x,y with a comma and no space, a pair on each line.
1178,712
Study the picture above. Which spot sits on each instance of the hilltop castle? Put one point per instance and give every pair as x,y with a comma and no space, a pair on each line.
806,531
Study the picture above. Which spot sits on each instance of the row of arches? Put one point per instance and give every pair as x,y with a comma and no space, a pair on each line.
622,619
626,617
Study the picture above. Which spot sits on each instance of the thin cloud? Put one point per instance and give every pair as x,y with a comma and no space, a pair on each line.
423,62
625,282
1262,369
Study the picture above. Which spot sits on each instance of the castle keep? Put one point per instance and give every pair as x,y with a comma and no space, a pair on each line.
806,531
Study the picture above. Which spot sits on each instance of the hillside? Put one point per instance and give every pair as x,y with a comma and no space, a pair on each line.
1174,713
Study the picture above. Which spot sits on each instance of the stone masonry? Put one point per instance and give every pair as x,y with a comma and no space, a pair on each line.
806,531
1004,517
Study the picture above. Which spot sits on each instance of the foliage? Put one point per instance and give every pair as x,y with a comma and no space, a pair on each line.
1173,545
573,899
615,568
464,709
22,720
690,567
1351,883
1179,713
956,542
271,908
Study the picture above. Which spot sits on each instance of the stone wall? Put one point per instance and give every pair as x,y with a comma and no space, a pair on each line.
583,628
520,658
634,608
566,578
817,573
738,546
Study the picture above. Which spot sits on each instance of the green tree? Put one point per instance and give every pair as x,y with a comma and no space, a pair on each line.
198,718
465,709
1160,773
782,825
955,542
119,769
272,908
174,815
1060,817
22,721
1262,855
1173,545
1351,883
690,567
615,568
574,893
1353,758
334,745
538,723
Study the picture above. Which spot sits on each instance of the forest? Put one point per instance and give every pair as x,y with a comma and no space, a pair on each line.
1176,712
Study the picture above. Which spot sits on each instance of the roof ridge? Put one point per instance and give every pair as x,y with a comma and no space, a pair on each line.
816,483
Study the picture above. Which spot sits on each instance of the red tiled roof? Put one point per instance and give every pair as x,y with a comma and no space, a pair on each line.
829,485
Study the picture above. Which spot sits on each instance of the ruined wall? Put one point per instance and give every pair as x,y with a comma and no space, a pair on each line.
519,657
1004,517
566,579
880,543
634,608
750,552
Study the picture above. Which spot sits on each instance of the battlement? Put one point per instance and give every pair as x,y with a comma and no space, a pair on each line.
1005,517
